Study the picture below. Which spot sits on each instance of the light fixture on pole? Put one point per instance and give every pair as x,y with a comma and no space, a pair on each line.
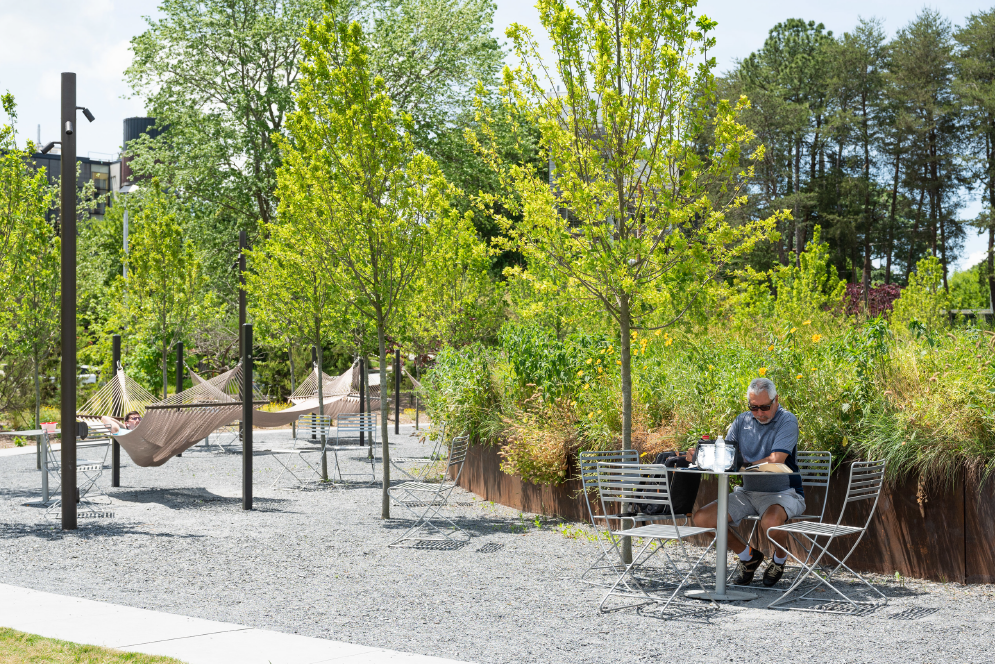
67,223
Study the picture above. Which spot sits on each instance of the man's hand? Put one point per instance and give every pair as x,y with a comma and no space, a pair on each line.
689,455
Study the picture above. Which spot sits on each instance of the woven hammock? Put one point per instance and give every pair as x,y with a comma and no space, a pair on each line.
118,397
165,432
338,393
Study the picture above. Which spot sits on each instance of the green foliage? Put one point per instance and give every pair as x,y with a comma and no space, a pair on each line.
969,290
923,301
811,290
460,391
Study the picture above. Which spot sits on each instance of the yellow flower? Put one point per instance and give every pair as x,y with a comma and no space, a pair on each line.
590,415
816,338
792,330
580,373
668,342
657,333
770,347
798,376
634,334
763,371
586,385
813,368
808,322
618,362
710,367
589,360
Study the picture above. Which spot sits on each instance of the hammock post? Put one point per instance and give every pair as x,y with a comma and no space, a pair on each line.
397,392
67,221
246,338
243,243
179,372
115,447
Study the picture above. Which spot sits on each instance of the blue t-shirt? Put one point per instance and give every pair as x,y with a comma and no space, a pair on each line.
757,441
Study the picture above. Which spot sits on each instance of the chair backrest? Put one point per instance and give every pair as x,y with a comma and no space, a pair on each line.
457,454
626,483
816,468
314,425
357,422
588,462
866,481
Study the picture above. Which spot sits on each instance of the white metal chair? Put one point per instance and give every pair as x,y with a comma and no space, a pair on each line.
425,501
866,481
629,484
417,469
815,469
88,472
311,433
610,553
354,423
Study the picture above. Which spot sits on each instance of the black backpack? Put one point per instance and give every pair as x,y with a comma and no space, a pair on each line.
683,487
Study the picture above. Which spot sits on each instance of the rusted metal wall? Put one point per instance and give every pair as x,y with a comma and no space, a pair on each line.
942,535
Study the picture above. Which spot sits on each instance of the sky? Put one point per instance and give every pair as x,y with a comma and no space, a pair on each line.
41,38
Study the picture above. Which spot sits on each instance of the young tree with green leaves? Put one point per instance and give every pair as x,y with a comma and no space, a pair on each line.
352,171
164,280
292,284
628,220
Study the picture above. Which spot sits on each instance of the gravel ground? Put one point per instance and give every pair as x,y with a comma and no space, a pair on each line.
316,563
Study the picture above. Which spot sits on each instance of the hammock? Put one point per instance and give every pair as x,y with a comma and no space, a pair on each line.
181,420
338,393
118,397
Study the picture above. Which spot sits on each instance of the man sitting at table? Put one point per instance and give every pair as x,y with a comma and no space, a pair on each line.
766,433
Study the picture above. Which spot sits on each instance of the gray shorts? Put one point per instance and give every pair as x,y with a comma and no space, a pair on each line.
754,503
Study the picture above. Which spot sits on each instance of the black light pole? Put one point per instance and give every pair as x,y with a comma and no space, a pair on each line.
246,338
397,392
243,242
115,448
67,221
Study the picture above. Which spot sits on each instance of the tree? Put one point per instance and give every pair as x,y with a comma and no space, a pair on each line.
36,290
292,283
628,218
352,171
975,86
164,277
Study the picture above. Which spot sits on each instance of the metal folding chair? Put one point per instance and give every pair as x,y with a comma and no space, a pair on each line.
425,501
88,472
628,484
866,480
417,469
815,469
345,426
310,433
610,554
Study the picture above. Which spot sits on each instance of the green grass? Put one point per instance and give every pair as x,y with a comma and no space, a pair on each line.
20,648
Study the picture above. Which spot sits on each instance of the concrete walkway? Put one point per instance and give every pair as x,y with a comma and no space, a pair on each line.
191,640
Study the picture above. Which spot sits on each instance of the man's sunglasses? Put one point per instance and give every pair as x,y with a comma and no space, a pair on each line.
137,418
763,408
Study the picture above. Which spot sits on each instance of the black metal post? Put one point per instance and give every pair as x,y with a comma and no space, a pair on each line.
67,222
243,242
397,392
315,367
246,338
115,448
362,395
417,403
314,356
179,372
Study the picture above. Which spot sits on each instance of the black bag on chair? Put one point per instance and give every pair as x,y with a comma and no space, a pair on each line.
683,487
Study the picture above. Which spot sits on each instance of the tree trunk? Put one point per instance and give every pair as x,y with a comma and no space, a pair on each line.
384,496
943,240
625,347
914,235
868,217
891,215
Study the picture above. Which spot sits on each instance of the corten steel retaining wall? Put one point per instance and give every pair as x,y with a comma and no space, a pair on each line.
950,536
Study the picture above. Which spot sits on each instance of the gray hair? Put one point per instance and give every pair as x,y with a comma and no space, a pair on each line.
758,385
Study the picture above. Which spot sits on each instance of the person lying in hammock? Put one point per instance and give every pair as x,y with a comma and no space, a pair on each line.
131,421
